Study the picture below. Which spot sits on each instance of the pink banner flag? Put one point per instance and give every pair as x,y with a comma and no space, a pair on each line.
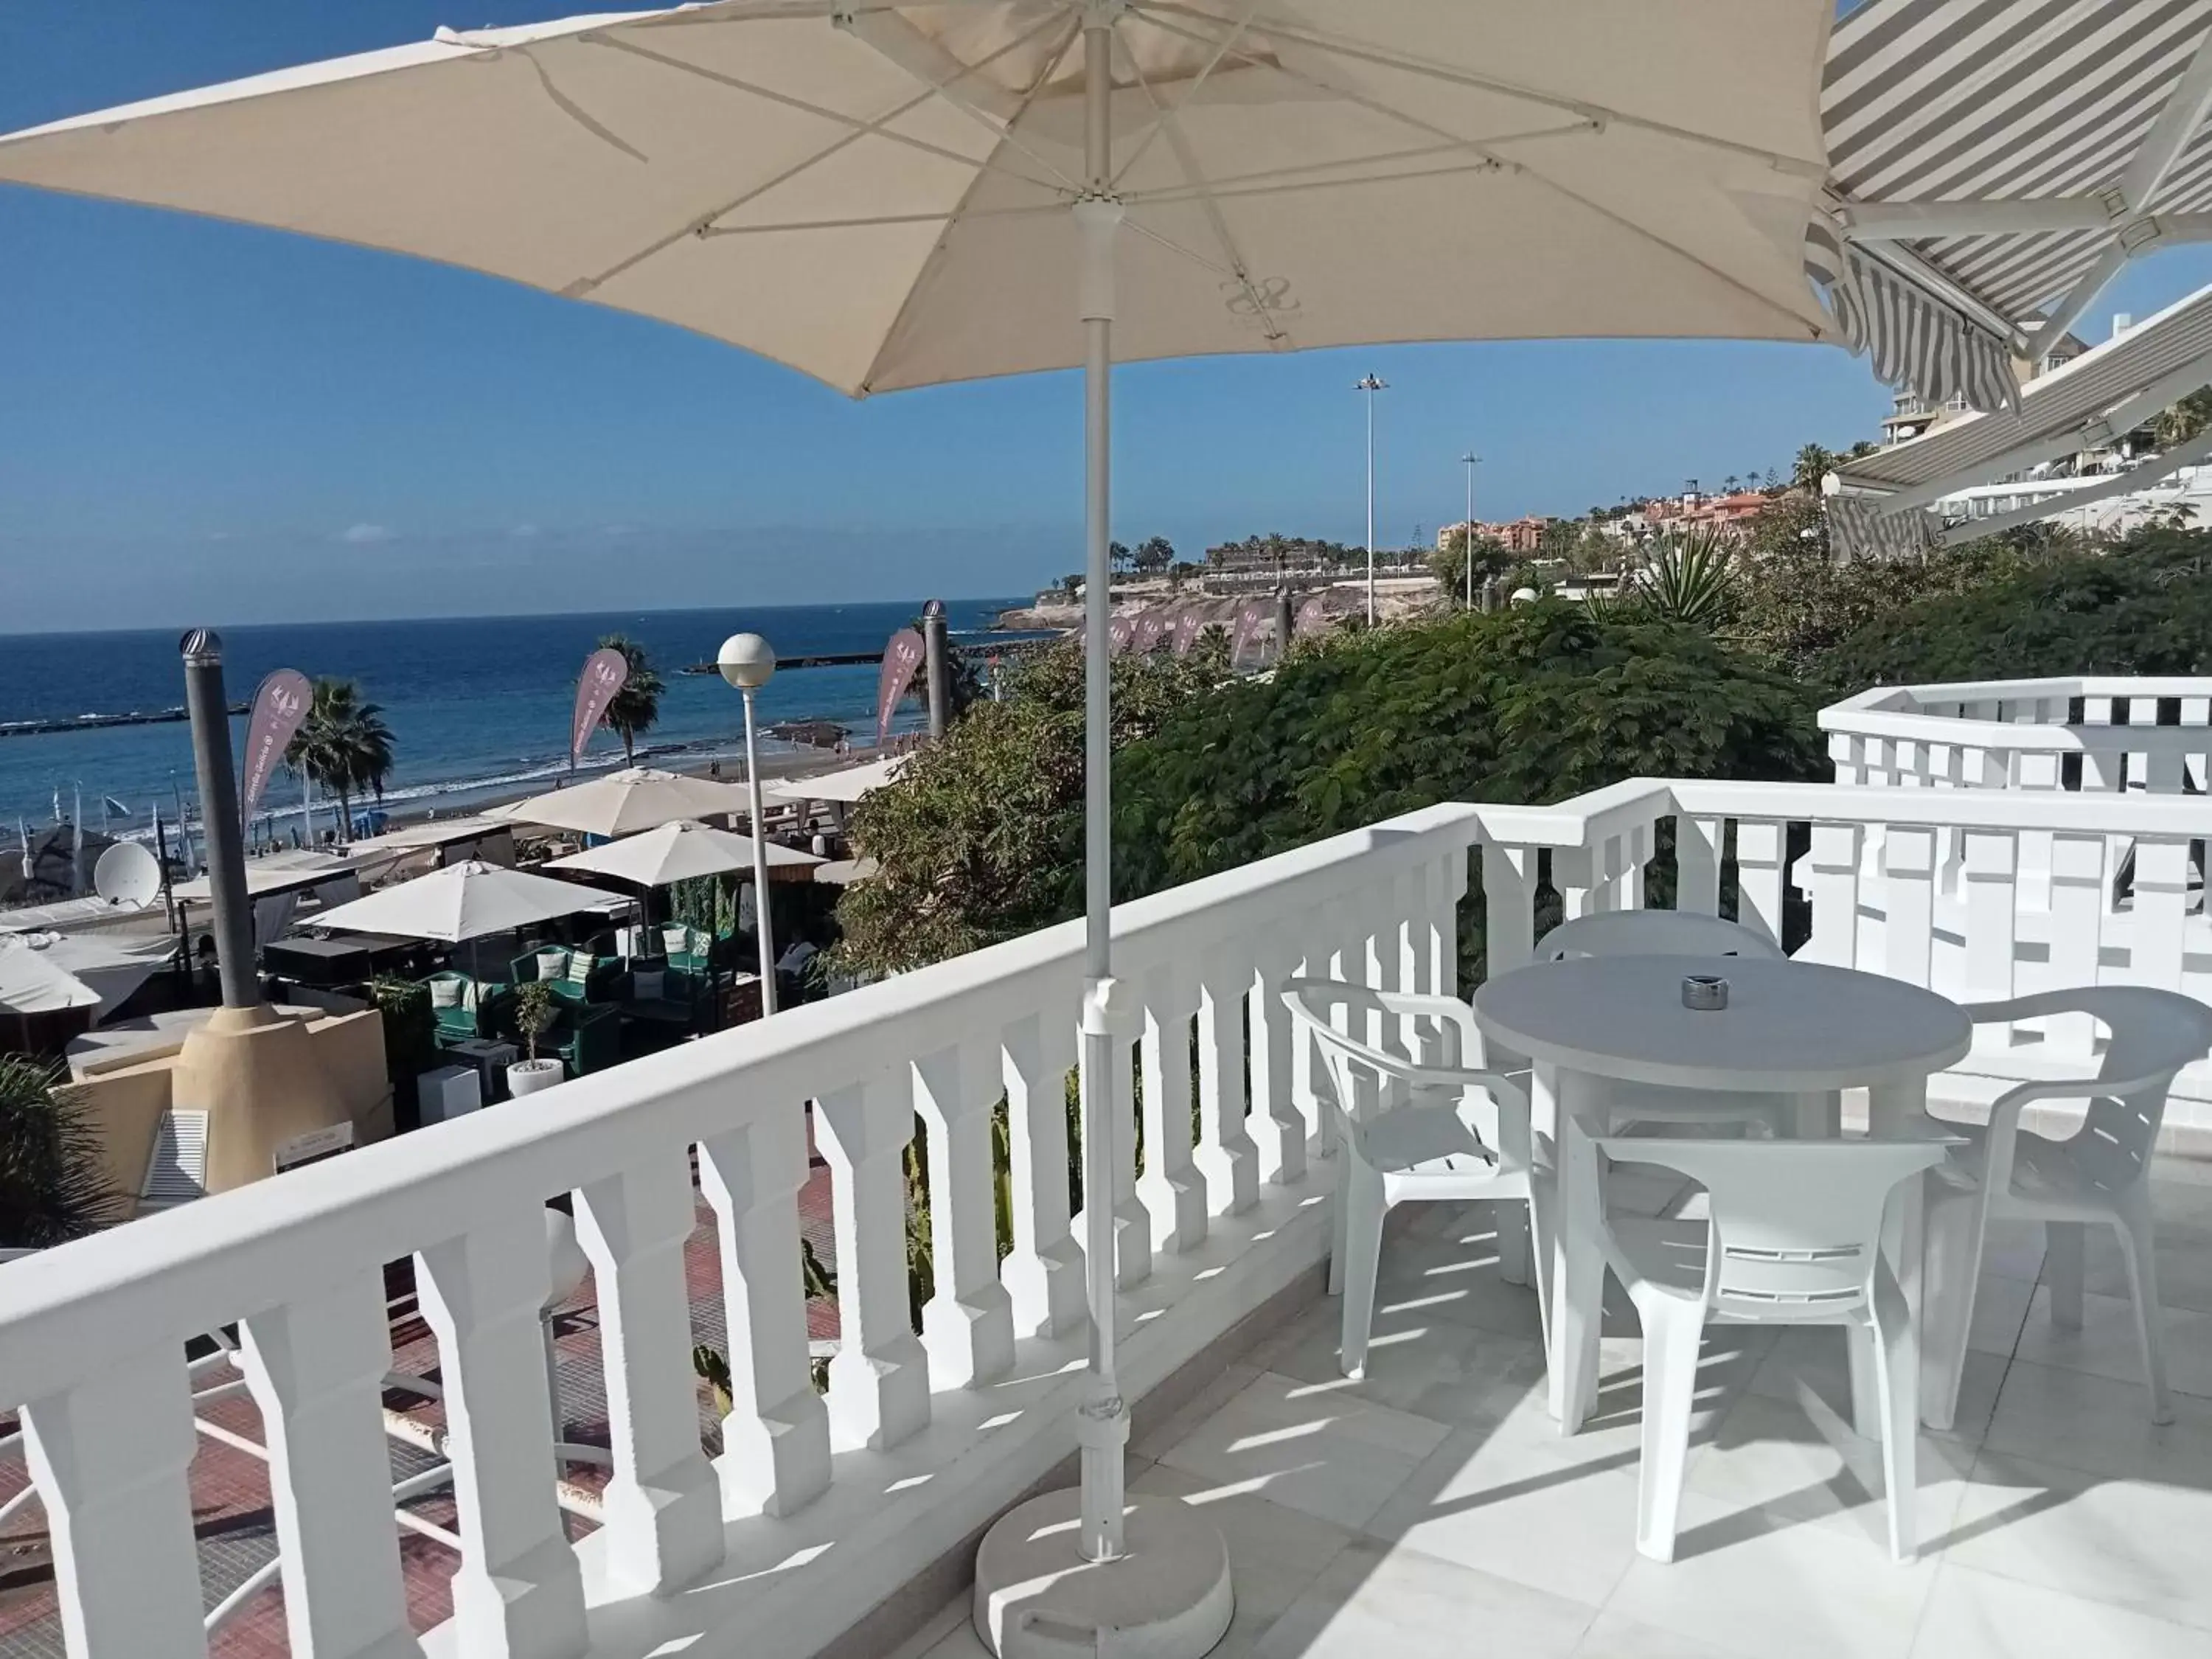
604,672
278,708
1119,632
1150,627
902,654
1187,631
1248,629
1313,614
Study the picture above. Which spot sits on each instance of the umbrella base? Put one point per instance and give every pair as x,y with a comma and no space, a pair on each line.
1037,1598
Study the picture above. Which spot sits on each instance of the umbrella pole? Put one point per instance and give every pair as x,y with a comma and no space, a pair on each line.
1105,1429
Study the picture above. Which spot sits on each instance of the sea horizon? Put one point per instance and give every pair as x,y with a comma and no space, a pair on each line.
477,704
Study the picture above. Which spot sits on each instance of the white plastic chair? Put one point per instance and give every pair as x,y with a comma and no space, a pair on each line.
1672,934
2098,1175
1793,1238
1410,1130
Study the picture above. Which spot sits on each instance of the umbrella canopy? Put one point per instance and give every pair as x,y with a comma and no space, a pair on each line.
622,803
40,972
676,852
881,200
847,784
464,902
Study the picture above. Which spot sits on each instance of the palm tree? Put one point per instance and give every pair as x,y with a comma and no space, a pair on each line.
1813,464
637,705
53,1182
343,745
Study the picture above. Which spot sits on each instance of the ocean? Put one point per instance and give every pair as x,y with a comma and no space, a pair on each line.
476,705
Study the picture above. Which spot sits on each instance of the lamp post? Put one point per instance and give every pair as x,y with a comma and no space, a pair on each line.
1467,538
746,661
1371,385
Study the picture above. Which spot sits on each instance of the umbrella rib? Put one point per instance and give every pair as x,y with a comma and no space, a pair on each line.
879,220
1284,186
1522,168
699,225
1169,126
1053,59
1339,45
1162,117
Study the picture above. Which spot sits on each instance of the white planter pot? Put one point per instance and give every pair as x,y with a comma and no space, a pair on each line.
527,1077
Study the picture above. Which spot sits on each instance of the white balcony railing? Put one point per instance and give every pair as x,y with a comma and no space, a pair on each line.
819,1508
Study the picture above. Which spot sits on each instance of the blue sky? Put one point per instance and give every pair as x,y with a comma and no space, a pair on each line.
203,421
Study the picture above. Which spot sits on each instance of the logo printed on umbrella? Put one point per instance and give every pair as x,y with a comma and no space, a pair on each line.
280,704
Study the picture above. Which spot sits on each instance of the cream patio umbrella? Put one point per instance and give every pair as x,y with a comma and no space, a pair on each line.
884,195
465,901
625,802
676,851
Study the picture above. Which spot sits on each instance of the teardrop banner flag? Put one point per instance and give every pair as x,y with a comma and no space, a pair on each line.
1186,631
1150,627
1313,614
279,706
1118,633
902,654
1248,629
605,671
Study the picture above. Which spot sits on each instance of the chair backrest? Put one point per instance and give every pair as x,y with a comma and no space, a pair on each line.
578,972
1358,1074
2150,1036
1653,933
1796,1225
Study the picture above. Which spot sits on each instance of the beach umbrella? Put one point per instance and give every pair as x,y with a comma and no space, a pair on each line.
676,851
886,196
846,785
622,803
42,971
465,901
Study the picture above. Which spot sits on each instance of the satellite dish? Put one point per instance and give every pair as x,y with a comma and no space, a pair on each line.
127,874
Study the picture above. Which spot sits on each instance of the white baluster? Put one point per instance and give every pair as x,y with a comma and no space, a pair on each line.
1992,921
1758,870
1276,1126
1697,864
2079,903
110,1456
1575,873
1508,903
1908,862
1171,1190
1844,749
1635,852
517,1593
2161,904
968,1324
1834,863
316,1370
2035,772
879,1380
664,1504
1044,1276
1226,1157
776,1437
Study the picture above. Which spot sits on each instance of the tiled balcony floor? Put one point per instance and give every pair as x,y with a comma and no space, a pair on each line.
1434,1510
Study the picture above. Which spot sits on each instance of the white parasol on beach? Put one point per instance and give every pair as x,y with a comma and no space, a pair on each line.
885,195
622,803
465,901
676,851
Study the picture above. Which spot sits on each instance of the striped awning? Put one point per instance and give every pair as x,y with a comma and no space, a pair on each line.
1994,162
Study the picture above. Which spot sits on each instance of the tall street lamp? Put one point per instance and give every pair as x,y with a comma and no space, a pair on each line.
1467,539
746,661
1371,386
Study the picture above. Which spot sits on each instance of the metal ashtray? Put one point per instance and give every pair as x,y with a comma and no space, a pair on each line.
1703,992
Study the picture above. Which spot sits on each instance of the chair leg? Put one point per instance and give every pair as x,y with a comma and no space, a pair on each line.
1898,1380
2063,1243
1672,1334
1952,1266
2139,1244
1543,1240
1337,1228
1511,1223
1364,1208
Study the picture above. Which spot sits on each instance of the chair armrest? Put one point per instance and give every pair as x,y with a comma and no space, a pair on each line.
1451,1010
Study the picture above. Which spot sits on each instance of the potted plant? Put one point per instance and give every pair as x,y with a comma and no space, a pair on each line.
535,1011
